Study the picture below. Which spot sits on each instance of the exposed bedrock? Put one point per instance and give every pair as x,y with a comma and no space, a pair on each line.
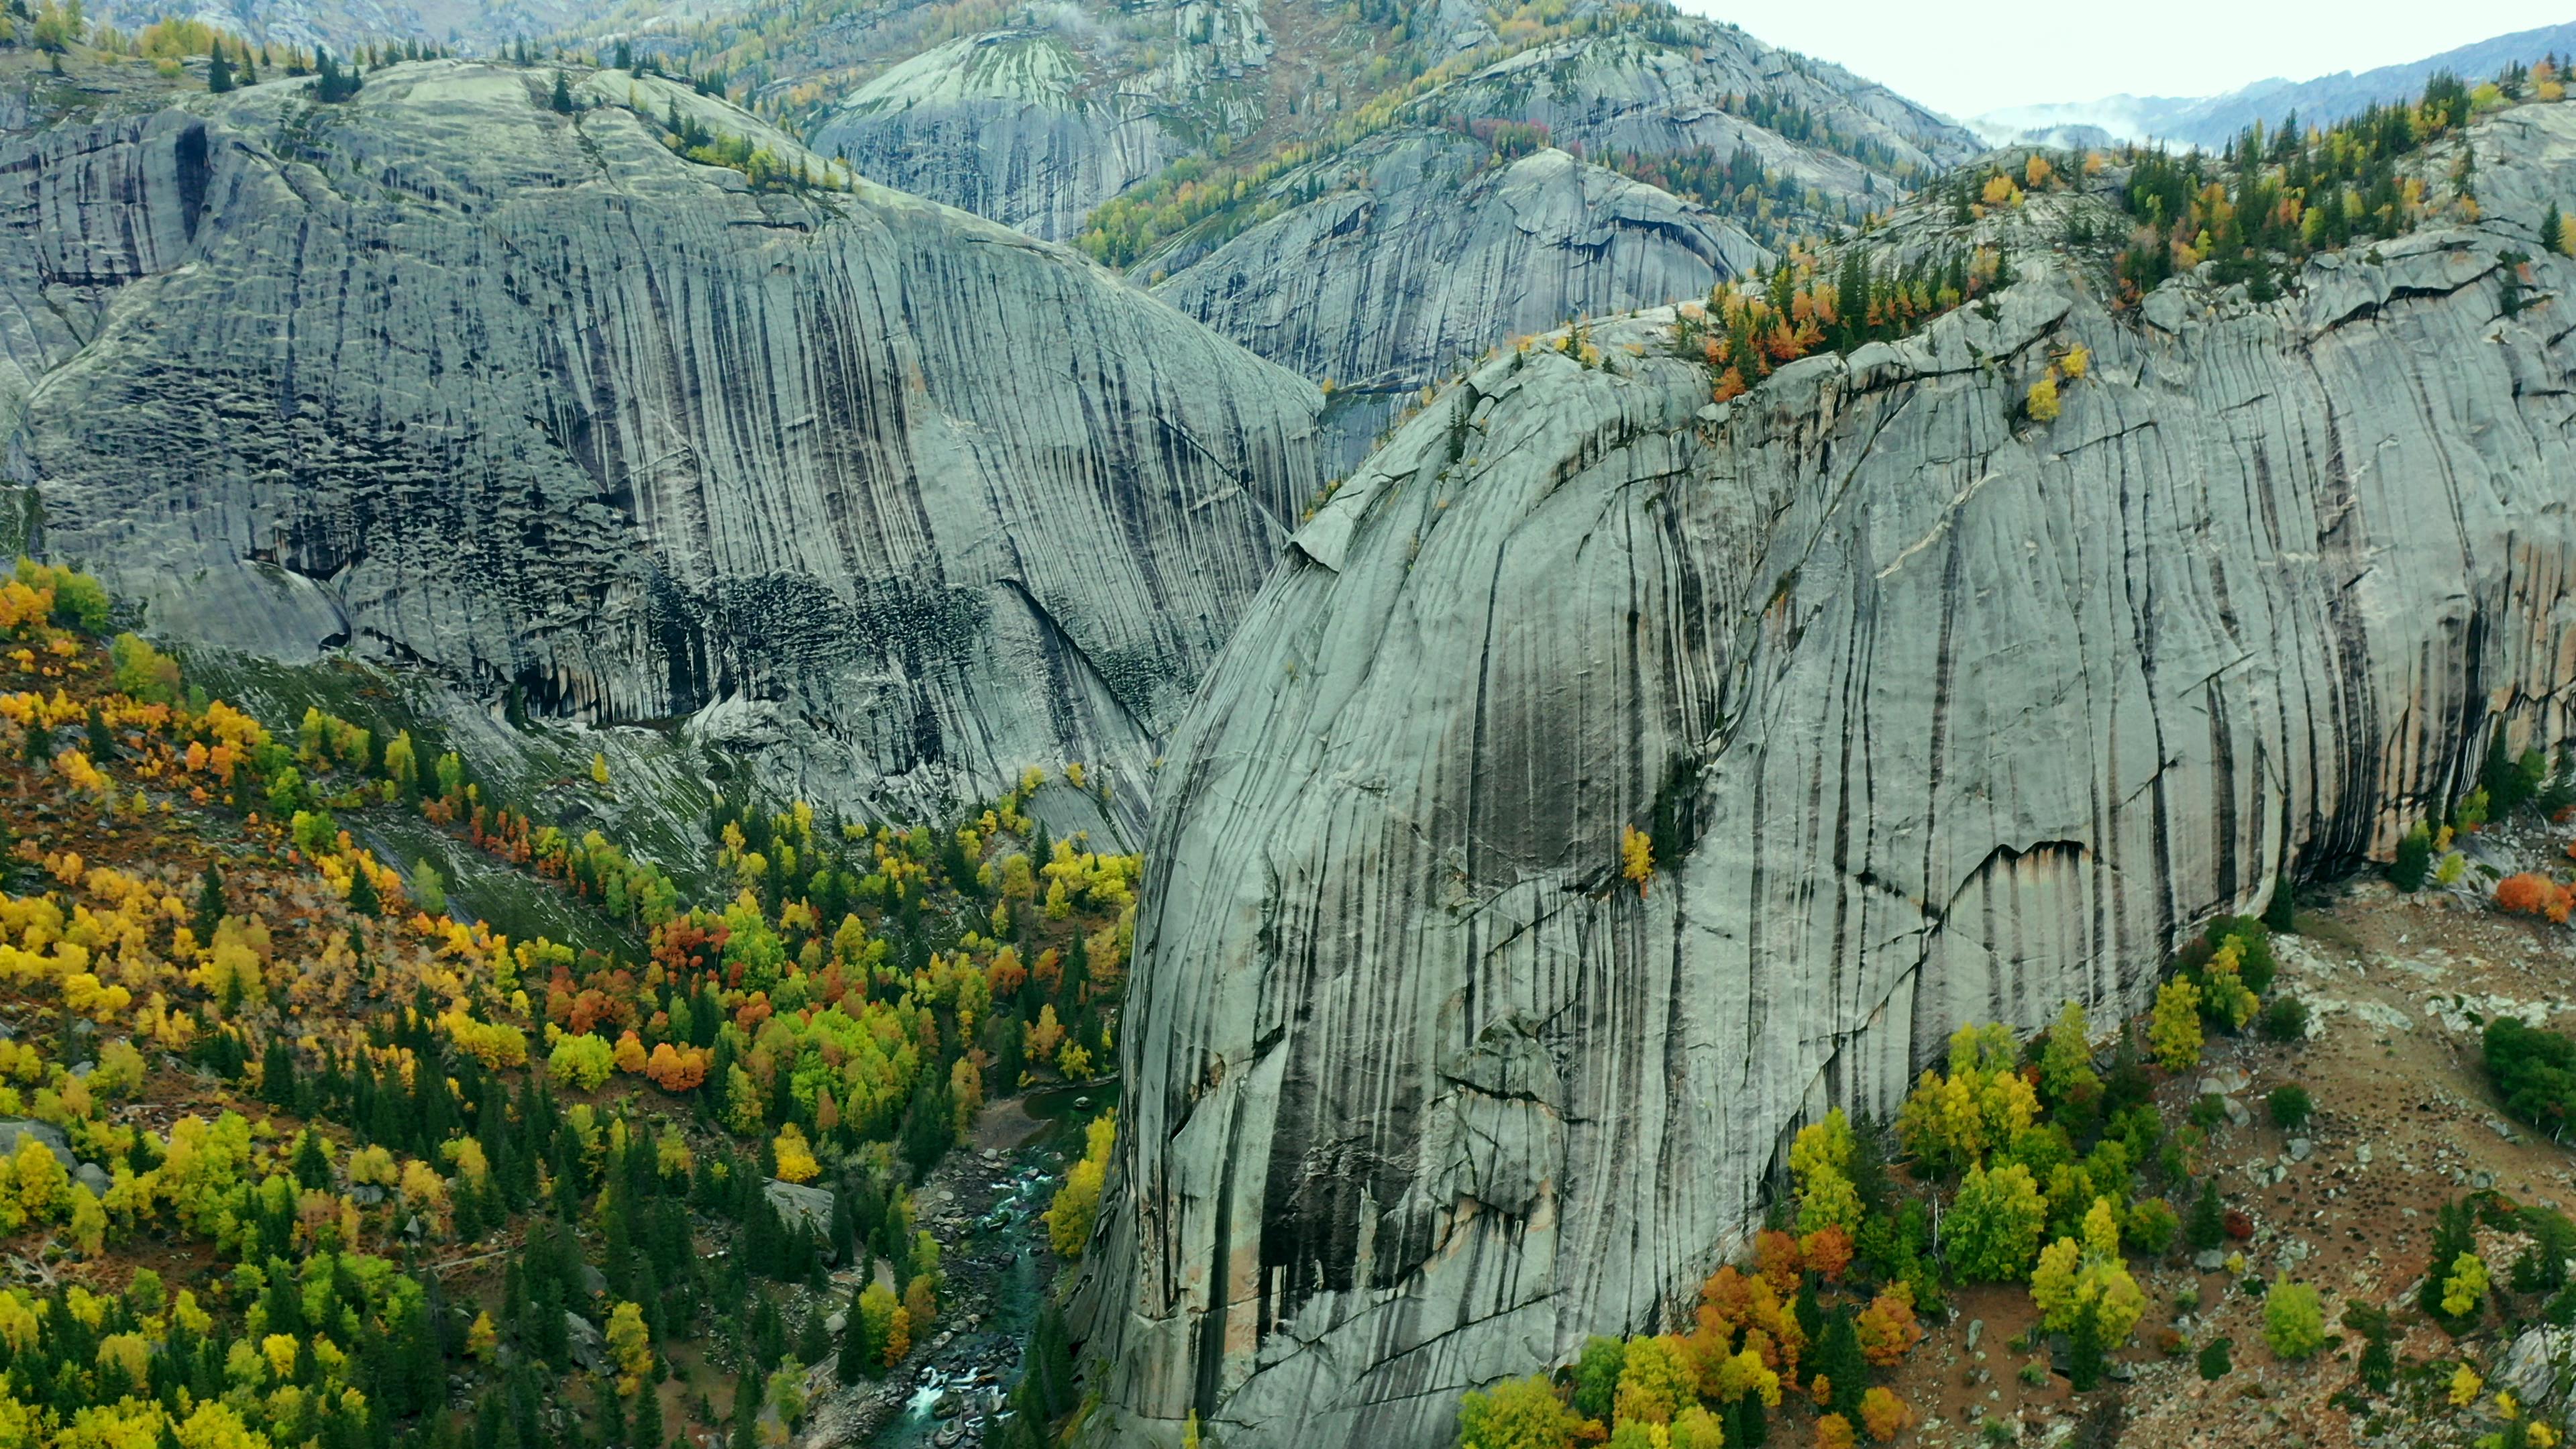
1938,715
890,498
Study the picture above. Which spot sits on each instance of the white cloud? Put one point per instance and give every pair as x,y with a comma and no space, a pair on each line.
1964,59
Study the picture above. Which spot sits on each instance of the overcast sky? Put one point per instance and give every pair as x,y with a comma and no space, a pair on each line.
1964,59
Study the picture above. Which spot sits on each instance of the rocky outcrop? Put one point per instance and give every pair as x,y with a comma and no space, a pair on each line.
1438,255
1680,84
891,499
1932,714
1034,127
998,124
1386,265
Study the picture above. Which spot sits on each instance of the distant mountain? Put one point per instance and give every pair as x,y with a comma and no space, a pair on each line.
2212,120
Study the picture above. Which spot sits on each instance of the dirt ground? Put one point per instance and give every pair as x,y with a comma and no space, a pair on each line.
2399,988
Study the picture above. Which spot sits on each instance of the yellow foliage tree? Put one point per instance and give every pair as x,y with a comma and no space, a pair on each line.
1636,856
631,1345
795,1157
1077,1203
1820,1161
2173,1030
2042,404
1656,1379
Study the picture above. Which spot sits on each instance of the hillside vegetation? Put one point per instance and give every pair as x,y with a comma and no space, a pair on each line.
297,1154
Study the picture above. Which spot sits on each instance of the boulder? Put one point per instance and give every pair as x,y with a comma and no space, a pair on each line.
13,1129
589,1345
806,1207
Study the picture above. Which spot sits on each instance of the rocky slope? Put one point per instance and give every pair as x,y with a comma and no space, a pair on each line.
342,25
1034,126
1439,255
889,498
1933,713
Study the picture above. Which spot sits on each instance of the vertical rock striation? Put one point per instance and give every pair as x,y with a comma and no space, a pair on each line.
1934,715
1035,126
1384,287
893,498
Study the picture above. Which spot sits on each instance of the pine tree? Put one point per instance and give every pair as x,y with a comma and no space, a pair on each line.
2280,913
2084,1354
1838,1357
219,72
746,1410
562,100
277,1074
363,901
2207,1226
1050,1363
2553,230
312,1163
2454,1233
648,1415
853,1364
210,904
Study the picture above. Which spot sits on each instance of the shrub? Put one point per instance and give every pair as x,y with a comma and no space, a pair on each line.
1517,1412
1884,1415
2464,1287
2294,1321
2290,1107
2533,894
2414,859
80,600
2285,1019
2533,1070
2153,1225
581,1062
144,672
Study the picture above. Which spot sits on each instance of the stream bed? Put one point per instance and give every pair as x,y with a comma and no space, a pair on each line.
984,1203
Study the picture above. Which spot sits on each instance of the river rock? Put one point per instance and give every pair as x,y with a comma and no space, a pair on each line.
1928,713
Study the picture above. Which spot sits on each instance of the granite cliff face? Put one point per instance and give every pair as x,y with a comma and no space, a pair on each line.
1387,266
893,499
1385,286
1383,231
1934,713
1035,126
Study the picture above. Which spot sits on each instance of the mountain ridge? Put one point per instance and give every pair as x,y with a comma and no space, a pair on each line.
2213,121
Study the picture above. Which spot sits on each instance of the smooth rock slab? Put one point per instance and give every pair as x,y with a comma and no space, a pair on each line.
1930,715
886,499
